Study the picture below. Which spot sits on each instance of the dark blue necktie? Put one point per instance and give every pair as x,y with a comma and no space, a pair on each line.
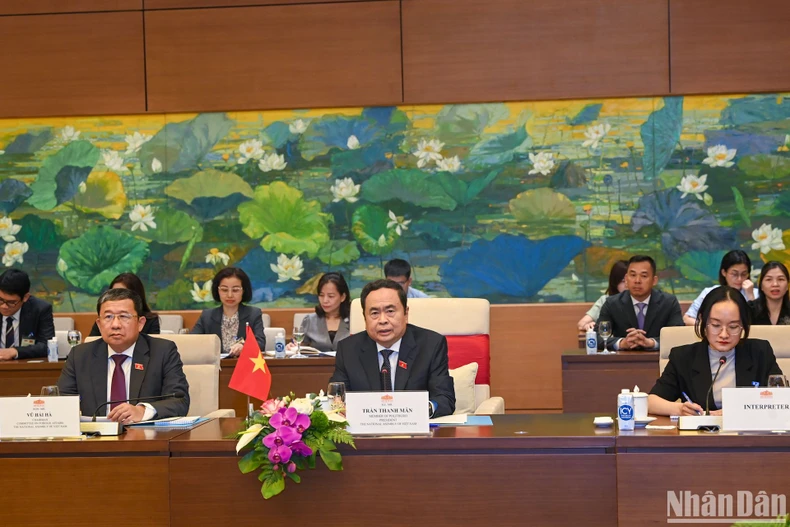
9,332
386,379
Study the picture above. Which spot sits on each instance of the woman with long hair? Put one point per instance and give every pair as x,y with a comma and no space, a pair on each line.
616,285
734,272
329,324
773,305
132,281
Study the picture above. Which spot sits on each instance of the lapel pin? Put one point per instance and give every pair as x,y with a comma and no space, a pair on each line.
138,366
401,364
756,384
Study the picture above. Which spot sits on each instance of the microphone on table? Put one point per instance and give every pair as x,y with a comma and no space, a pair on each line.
722,360
176,395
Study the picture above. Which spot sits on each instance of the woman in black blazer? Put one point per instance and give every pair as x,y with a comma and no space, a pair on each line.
132,281
723,327
231,286
772,307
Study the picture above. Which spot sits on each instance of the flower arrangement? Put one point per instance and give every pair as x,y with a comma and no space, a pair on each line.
286,434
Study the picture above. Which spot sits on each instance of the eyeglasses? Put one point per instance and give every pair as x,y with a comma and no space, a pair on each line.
231,291
10,303
125,318
732,329
399,282
736,275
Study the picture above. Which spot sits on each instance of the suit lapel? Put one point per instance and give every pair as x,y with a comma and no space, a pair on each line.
244,319
630,314
408,349
216,321
744,374
701,375
99,367
139,368
370,363
653,311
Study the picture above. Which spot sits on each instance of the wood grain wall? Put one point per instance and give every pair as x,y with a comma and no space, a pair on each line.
94,57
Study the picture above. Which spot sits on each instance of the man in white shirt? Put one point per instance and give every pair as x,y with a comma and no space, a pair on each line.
25,321
399,271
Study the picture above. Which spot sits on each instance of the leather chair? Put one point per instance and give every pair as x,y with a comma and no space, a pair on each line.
171,324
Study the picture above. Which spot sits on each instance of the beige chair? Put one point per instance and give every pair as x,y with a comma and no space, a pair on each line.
452,317
200,357
64,323
298,317
271,333
171,324
267,320
63,343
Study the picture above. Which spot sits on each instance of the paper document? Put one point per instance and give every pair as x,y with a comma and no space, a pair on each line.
449,420
172,421
99,419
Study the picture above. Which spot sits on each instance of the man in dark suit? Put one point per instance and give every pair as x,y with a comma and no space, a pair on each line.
392,354
125,364
638,314
26,323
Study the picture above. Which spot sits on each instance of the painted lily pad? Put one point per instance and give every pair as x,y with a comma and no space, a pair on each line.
30,142
62,173
701,266
338,252
501,148
414,187
211,193
369,226
12,194
765,166
265,287
104,194
542,204
461,191
660,135
465,123
172,226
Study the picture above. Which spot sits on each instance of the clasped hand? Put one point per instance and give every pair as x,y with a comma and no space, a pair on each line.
636,338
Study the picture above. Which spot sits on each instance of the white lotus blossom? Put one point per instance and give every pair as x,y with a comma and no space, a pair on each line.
14,252
113,160
449,164
542,163
428,151
216,257
202,294
595,134
252,149
352,143
156,166
693,185
720,156
767,239
298,127
398,222
2,152
82,187
69,134
136,141
142,218
8,230
345,189
272,162
62,266
382,241
287,268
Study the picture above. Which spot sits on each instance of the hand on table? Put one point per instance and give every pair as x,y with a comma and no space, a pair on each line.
687,408
127,413
637,338
8,354
235,350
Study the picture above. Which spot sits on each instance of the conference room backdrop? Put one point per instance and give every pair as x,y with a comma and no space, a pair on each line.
515,202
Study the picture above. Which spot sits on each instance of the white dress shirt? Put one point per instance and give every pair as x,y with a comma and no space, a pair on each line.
395,348
646,302
150,412
15,323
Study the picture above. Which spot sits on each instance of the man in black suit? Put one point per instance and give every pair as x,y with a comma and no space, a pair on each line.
27,322
392,354
125,364
638,314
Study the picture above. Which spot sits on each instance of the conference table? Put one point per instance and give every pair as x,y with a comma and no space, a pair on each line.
541,469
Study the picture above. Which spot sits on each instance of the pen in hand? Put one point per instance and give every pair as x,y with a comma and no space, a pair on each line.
688,400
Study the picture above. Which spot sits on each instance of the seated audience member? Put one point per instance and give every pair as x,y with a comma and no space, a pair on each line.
102,370
27,322
392,354
231,287
734,272
772,307
329,324
616,285
723,328
131,281
638,313
399,271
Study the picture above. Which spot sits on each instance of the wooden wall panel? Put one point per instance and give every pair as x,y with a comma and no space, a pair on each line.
178,4
726,46
29,7
274,57
468,50
76,64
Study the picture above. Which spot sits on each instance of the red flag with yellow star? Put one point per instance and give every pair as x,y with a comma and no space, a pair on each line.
251,375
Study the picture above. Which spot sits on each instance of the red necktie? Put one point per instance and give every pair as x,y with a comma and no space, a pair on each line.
118,386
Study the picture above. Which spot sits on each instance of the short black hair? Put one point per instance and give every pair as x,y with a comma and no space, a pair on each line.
397,267
114,295
722,293
133,282
342,288
638,258
382,284
616,275
733,258
15,282
229,272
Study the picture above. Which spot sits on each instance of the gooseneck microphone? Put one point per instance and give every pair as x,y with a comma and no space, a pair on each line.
176,395
722,360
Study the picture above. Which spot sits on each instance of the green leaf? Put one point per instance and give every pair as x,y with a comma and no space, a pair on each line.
328,445
765,166
248,463
341,435
175,296
542,204
172,226
415,187
311,461
741,207
104,194
332,460
273,485
369,227
464,123
91,261
500,148
476,186
707,199
276,134
41,234
700,266
287,222
61,174
294,476
338,252
208,184
660,135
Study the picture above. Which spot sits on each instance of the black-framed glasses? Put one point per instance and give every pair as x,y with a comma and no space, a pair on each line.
10,303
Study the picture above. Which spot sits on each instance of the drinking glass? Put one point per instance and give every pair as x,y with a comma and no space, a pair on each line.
777,381
183,331
50,391
298,335
605,331
336,391
73,337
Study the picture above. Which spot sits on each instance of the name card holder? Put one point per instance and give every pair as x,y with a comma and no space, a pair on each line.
39,417
387,413
756,409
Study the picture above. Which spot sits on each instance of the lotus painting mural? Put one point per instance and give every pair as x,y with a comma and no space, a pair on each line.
516,202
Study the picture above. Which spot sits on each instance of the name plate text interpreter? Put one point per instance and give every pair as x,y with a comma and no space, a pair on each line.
755,409
39,417
387,413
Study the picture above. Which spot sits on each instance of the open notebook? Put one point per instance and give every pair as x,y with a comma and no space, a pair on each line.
172,422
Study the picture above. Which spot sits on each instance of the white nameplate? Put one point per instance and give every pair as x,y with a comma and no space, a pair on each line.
387,413
39,417
755,409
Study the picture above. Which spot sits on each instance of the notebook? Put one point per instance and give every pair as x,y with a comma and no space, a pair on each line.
172,422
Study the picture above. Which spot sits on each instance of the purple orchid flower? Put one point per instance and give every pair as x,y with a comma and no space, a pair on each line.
283,436
301,449
280,454
302,423
291,467
284,417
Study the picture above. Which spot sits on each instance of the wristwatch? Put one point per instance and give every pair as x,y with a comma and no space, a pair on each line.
430,410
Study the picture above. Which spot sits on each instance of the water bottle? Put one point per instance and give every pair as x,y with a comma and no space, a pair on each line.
625,410
279,345
592,342
52,350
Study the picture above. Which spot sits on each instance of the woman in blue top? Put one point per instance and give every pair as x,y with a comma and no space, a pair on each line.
734,272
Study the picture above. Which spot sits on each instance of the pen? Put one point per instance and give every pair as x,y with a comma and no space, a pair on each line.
688,399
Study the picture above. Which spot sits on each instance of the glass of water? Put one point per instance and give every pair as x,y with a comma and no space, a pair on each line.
73,337
337,395
777,381
605,331
298,338
50,391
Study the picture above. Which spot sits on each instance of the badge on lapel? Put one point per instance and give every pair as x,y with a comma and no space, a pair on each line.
401,364
138,366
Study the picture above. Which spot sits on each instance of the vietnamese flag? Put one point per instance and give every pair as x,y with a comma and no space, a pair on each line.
251,375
